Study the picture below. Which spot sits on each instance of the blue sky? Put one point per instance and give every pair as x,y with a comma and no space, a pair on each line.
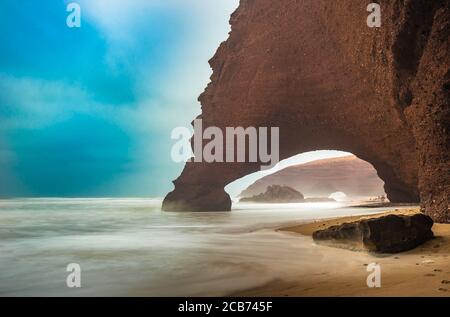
89,111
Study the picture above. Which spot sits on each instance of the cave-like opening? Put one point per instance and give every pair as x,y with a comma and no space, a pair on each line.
318,176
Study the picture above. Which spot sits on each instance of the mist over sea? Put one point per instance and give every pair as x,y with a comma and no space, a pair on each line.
128,247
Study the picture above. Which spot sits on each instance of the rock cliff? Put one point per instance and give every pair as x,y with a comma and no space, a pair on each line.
316,70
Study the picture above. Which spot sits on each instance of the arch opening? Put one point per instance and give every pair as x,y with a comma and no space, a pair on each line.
319,176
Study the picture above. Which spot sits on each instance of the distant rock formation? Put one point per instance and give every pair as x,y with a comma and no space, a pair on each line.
315,69
277,194
388,234
355,177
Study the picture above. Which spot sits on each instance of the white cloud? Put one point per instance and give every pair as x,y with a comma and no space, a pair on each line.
186,70
34,103
173,101
117,18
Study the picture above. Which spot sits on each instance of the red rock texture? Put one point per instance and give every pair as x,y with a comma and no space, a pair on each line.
316,70
356,178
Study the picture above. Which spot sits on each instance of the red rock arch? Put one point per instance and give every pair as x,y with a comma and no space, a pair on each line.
317,71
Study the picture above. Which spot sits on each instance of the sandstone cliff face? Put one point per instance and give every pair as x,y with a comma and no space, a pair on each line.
355,177
315,69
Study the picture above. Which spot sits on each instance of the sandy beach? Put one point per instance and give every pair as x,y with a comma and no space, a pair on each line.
424,271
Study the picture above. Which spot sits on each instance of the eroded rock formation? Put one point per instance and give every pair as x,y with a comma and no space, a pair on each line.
277,194
316,70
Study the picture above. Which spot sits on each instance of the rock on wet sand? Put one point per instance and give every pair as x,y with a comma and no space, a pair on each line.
388,234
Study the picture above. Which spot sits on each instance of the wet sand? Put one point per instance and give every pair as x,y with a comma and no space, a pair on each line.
424,271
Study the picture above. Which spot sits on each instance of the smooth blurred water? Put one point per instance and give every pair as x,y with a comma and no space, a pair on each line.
128,247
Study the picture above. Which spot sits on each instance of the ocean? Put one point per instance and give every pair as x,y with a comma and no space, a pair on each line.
129,247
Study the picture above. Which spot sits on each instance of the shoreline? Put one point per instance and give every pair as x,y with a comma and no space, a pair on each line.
423,271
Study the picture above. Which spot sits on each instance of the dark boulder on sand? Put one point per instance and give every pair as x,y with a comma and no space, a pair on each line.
388,234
